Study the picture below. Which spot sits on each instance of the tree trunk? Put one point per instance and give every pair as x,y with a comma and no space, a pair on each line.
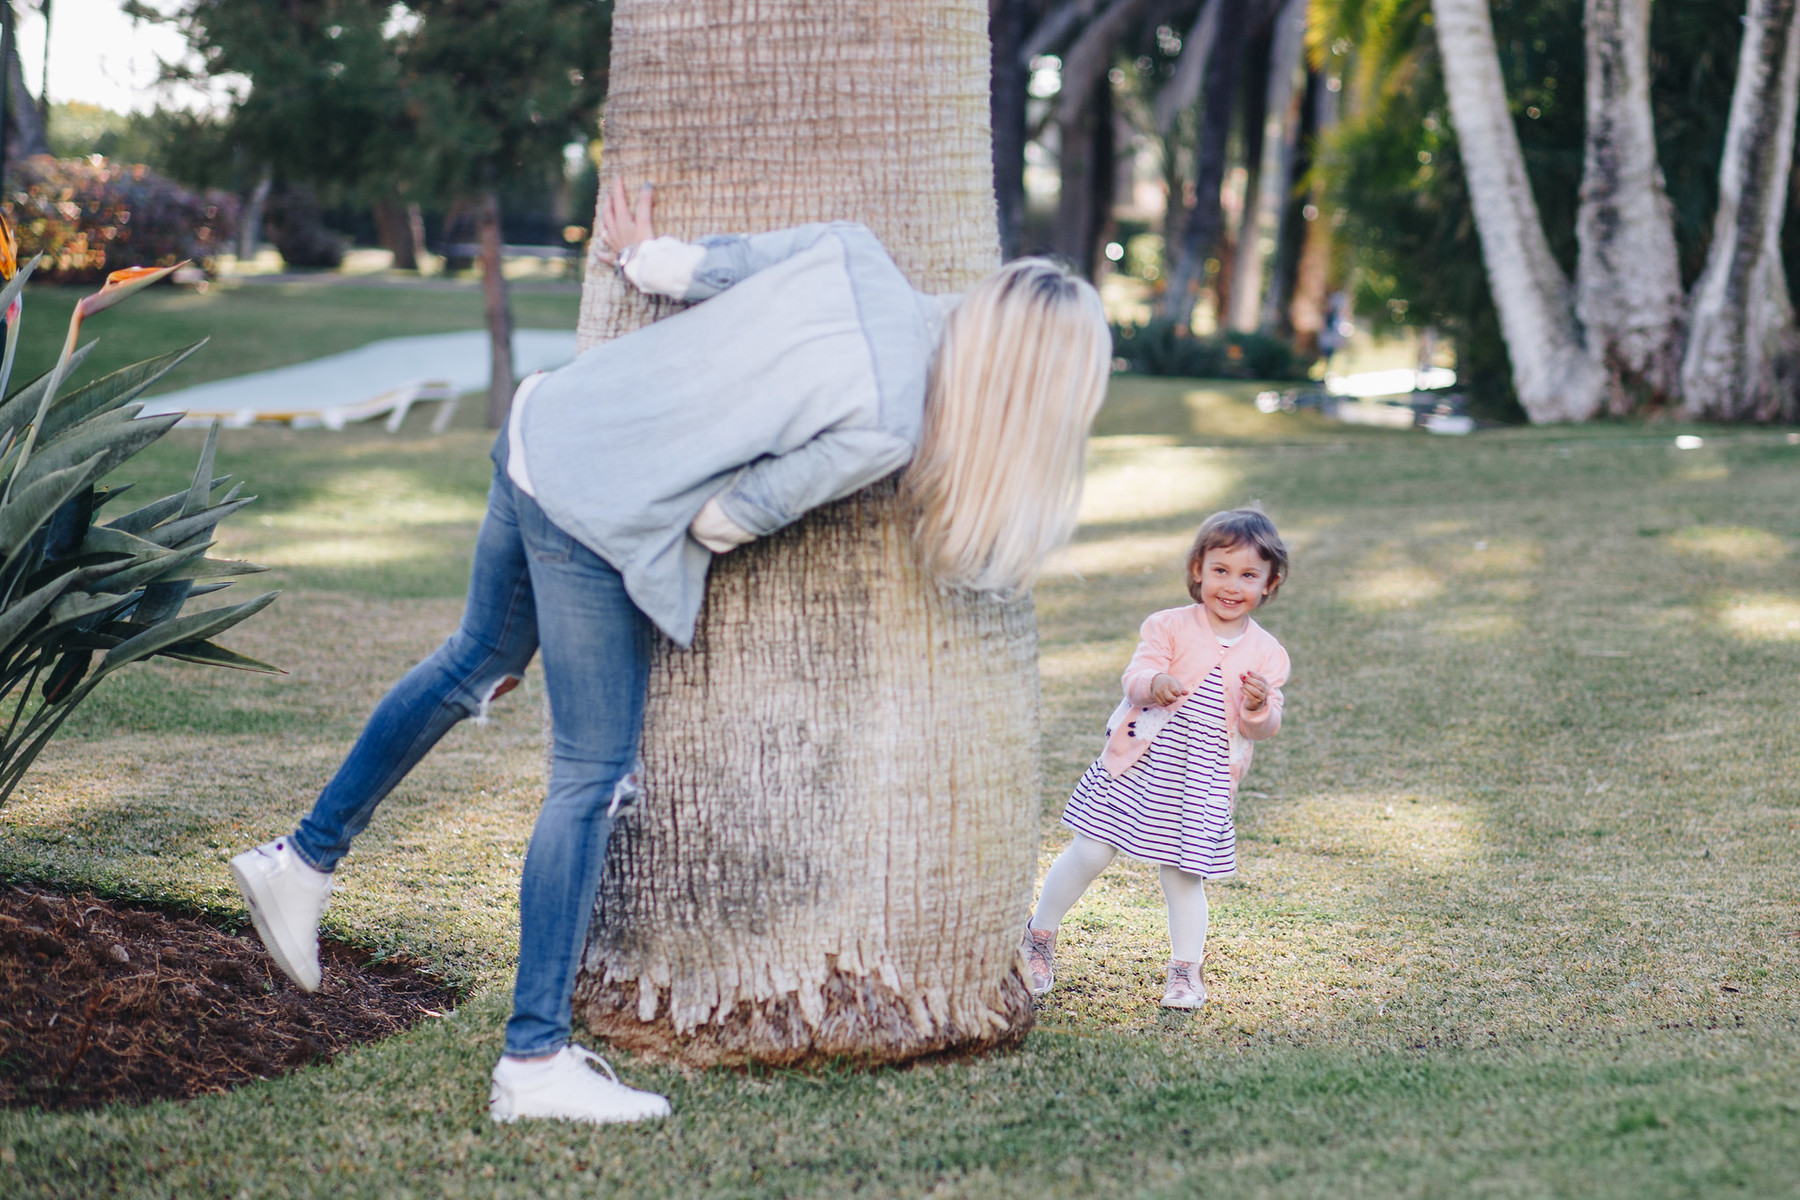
1011,77
1085,157
396,232
250,223
835,850
1290,233
28,137
1312,275
1627,279
499,313
415,228
1742,346
1267,204
1206,220
1554,375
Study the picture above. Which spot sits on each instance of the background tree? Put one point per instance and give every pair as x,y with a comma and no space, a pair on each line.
834,855
492,92
451,100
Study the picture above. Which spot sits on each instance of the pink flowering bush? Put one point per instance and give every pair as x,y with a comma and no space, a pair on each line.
91,216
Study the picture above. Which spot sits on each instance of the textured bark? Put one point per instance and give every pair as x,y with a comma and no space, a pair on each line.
835,850
1206,221
1627,278
1742,347
1267,202
499,313
1555,376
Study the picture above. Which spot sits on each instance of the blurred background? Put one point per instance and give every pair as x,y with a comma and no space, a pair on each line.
1260,187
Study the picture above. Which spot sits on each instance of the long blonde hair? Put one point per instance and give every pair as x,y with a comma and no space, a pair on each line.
1018,377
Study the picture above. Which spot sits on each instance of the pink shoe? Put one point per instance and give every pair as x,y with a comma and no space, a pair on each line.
1039,949
1187,987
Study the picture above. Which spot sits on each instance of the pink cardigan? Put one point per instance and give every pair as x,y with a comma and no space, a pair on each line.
1180,642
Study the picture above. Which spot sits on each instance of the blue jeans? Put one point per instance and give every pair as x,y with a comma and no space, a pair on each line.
533,588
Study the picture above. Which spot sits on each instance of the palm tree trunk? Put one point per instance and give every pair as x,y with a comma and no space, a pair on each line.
1206,219
1742,344
835,851
1627,279
499,312
1312,274
1555,376
1265,207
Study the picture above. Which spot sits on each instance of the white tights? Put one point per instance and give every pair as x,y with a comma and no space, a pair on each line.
1081,864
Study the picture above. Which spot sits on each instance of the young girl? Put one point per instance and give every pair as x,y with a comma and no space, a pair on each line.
808,369
1205,682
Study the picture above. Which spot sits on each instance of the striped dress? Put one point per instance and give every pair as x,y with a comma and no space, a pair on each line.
1173,807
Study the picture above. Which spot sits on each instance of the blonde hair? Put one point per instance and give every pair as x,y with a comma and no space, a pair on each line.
1018,377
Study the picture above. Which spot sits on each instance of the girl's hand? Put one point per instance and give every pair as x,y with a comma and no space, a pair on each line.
1166,690
1256,691
621,225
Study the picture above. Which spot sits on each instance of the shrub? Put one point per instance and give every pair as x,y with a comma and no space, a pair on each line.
1164,347
89,217
81,595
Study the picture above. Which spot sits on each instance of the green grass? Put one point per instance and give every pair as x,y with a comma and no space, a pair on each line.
1517,915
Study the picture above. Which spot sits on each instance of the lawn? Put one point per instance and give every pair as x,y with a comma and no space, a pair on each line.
1517,915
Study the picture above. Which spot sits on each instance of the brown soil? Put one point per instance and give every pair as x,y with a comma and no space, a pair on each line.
101,1003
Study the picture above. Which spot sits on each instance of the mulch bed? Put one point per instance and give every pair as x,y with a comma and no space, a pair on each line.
102,1003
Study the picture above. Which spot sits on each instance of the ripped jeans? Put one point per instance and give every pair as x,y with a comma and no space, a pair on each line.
533,588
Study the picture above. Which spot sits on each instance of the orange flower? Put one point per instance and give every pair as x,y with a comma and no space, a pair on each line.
121,284
9,250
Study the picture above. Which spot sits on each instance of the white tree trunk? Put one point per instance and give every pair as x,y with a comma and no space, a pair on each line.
835,851
1627,279
1261,226
1555,376
1742,344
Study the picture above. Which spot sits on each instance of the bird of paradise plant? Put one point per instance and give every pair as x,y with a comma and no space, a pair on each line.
80,599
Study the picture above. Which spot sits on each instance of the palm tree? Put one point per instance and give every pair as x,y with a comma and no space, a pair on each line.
1743,352
835,851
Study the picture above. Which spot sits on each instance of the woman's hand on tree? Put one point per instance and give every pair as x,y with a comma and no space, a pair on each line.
1256,691
623,224
1166,690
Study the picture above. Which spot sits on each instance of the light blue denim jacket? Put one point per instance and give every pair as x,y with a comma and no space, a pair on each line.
799,381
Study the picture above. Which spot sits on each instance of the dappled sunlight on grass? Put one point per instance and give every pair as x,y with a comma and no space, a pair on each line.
1764,618
1125,554
1145,479
376,499
347,552
1728,544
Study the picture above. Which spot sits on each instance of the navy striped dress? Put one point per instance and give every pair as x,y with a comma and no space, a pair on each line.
1173,806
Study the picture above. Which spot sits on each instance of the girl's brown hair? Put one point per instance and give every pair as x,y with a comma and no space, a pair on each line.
1239,527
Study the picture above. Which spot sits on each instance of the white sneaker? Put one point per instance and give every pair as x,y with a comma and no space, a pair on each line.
286,899
564,1088
1187,985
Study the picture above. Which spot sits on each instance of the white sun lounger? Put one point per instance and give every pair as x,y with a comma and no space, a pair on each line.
382,379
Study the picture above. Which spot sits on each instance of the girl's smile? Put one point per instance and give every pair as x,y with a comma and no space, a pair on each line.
1233,581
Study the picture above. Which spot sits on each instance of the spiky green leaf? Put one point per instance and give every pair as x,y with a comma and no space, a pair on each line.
112,391
21,407
114,443
192,628
31,506
211,654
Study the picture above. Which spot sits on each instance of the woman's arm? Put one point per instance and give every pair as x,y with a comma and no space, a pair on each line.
777,490
666,266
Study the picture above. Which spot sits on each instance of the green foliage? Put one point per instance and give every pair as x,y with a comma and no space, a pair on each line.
1165,347
1394,182
363,100
79,598
89,219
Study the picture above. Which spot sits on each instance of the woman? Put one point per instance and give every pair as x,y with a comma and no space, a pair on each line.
812,370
